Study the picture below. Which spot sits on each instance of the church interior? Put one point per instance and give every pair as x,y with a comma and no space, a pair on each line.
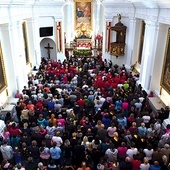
133,33
146,39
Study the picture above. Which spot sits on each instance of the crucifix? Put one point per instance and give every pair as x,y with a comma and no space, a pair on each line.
48,50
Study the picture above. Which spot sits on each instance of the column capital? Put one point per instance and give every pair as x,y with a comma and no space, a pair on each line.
162,27
68,1
99,1
58,19
4,27
151,23
15,25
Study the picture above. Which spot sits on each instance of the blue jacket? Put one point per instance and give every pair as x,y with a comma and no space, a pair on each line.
55,152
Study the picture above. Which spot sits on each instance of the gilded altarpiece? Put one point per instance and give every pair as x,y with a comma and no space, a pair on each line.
3,81
142,34
165,79
24,29
83,18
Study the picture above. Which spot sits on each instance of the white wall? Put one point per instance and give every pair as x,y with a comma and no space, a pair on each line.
157,16
11,38
44,15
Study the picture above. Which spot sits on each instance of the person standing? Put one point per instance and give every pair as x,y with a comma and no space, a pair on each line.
55,153
7,151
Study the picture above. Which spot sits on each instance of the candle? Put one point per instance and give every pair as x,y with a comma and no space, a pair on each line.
7,92
160,92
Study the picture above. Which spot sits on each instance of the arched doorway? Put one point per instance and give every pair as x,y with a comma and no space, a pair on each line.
48,48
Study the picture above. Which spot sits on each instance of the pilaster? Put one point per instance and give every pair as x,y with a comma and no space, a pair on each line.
69,20
9,56
148,55
130,42
36,40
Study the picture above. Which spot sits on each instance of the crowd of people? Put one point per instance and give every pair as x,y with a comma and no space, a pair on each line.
85,114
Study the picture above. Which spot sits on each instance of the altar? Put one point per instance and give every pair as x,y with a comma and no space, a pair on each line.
83,46
83,43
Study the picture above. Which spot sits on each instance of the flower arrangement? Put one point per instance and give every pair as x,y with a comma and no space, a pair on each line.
133,66
82,52
98,37
84,44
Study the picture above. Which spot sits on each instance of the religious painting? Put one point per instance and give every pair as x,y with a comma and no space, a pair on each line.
165,79
3,82
83,18
25,42
142,34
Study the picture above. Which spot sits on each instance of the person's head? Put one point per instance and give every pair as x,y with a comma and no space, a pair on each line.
156,163
145,160
88,130
52,162
112,146
85,139
57,133
50,124
132,115
54,144
149,146
152,125
127,159
52,115
43,143
18,166
34,143
115,134
5,164
24,145
132,145
30,159
102,126
14,125
67,142
164,158
25,125
47,136
40,165
83,165
60,116
134,124
166,146
74,134
123,144
5,141
99,122
40,116
142,124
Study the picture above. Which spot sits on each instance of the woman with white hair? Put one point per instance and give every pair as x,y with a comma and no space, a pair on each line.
41,166
85,142
145,165
164,163
142,130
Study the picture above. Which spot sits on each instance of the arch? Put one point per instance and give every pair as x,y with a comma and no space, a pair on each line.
44,51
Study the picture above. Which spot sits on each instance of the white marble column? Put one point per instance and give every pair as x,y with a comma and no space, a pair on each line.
135,49
31,43
36,39
97,13
19,54
7,54
69,20
130,42
148,55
